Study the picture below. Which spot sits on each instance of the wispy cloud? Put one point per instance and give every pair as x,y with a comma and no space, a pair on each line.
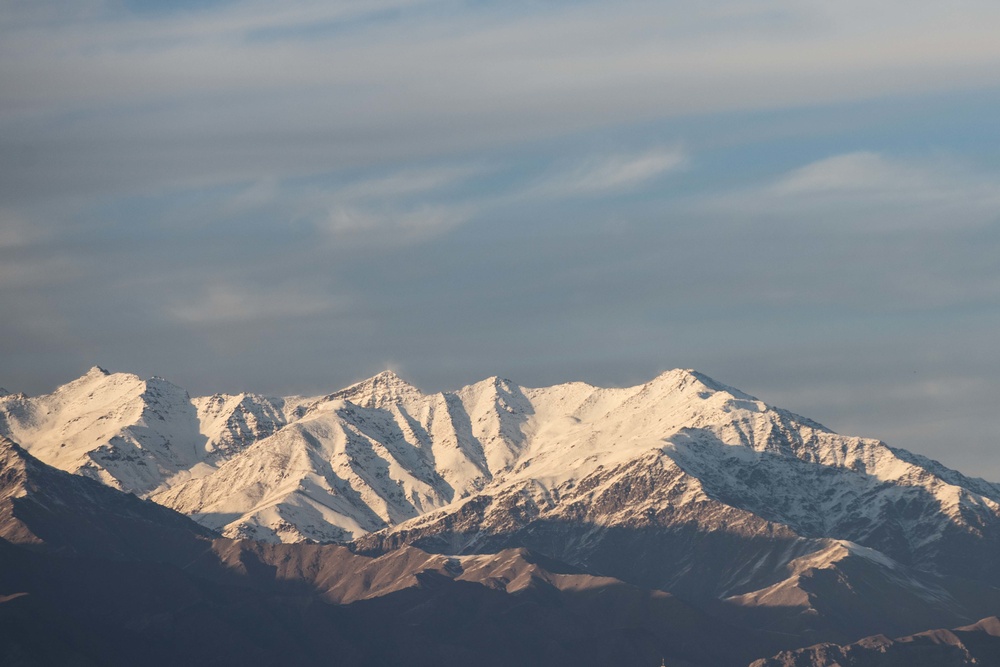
407,182
867,174
397,224
401,206
229,303
412,204
257,195
602,175
871,191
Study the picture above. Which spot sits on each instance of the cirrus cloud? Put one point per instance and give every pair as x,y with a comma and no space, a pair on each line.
605,174
869,191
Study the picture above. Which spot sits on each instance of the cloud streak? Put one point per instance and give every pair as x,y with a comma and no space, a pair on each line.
397,225
603,175
867,191
242,304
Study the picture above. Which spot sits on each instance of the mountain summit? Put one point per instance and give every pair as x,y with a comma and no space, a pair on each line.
378,391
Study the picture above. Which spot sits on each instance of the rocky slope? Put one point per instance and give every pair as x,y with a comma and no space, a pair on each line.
970,646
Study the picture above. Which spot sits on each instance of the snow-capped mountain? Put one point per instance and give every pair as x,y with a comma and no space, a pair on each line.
681,468
362,459
761,518
135,434
127,432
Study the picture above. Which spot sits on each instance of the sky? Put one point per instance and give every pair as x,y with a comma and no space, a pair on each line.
799,199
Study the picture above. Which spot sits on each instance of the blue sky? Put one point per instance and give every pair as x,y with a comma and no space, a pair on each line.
801,200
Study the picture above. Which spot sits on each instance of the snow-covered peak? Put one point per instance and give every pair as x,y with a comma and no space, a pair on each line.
389,379
96,385
378,391
715,385
496,390
125,431
680,382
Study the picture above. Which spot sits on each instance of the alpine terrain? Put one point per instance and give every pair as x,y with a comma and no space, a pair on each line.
561,525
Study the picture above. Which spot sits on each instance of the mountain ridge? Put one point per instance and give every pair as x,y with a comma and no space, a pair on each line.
750,513
975,644
495,465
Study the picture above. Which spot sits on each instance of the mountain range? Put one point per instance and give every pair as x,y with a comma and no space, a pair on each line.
657,516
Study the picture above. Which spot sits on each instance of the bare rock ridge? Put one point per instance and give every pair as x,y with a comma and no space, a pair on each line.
972,645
